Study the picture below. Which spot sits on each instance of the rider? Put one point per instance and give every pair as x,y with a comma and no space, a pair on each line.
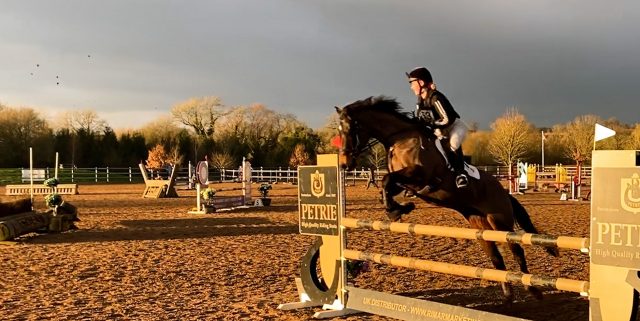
436,110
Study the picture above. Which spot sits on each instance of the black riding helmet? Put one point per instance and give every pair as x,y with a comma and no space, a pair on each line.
420,73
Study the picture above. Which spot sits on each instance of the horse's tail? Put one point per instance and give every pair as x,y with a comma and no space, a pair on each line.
524,221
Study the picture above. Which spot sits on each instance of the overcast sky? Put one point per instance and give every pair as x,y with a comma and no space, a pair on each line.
132,60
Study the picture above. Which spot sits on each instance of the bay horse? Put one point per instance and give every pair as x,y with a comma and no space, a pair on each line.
415,160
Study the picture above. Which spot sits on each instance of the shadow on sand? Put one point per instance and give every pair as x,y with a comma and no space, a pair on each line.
171,229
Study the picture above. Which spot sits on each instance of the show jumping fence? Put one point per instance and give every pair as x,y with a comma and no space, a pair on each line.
613,283
219,202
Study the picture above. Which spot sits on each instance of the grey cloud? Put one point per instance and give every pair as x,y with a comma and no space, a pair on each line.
553,60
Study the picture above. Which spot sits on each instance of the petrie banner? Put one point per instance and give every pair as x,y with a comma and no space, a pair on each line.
318,200
614,218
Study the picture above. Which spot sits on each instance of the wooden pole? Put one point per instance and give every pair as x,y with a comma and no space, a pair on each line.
564,242
563,284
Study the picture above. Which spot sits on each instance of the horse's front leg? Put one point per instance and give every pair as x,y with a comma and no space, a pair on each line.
391,188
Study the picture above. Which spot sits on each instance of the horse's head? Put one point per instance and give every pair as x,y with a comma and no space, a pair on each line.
379,118
353,140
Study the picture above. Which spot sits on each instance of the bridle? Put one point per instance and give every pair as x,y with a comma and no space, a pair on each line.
355,148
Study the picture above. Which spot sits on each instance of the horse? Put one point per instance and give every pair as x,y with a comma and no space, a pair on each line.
416,163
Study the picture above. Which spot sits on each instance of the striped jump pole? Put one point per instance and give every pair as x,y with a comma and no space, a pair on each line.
564,242
563,284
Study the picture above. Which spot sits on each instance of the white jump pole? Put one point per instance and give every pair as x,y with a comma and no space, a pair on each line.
56,170
31,175
55,188
198,204
190,176
200,179
246,181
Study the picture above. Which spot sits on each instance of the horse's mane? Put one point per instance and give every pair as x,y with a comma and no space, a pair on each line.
382,104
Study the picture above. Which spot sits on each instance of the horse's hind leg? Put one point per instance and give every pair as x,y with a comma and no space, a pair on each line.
491,249
518,255
390,189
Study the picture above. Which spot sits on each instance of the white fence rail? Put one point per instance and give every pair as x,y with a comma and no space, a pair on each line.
259,174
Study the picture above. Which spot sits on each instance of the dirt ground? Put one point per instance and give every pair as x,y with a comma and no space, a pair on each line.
147,259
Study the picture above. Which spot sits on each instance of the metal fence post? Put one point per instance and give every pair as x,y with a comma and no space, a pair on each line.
96,171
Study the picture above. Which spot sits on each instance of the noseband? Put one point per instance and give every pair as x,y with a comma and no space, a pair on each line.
356,149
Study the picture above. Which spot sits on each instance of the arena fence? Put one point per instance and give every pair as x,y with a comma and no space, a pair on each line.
103,175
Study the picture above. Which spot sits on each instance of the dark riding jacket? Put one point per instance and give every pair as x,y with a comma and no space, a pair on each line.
437,110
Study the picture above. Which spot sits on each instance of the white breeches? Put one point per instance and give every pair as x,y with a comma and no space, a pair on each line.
457,133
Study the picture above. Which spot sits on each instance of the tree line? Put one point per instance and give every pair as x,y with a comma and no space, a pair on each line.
512,138
204,126
194,129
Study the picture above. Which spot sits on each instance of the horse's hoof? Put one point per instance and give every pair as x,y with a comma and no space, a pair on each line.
535,292
553,251
507,302
394,215
408,207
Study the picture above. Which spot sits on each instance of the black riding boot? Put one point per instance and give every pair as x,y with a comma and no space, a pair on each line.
457,162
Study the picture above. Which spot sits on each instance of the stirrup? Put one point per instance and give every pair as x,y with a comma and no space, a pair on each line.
461,181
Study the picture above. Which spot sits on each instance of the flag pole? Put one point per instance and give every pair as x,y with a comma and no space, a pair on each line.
542,150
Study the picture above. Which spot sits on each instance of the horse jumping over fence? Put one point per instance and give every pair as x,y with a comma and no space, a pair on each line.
416,162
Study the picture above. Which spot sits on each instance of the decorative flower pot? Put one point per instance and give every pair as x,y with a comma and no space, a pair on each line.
266,201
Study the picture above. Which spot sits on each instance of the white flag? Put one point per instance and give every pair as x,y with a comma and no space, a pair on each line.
603,132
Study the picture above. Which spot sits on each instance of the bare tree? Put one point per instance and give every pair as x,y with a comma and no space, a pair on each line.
199,114
161,130
230,132
634,139
377,156
21,125
256,127
221,160
620,139
86,120
577,137
264,127
510,138
476,146
19,129
174,157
